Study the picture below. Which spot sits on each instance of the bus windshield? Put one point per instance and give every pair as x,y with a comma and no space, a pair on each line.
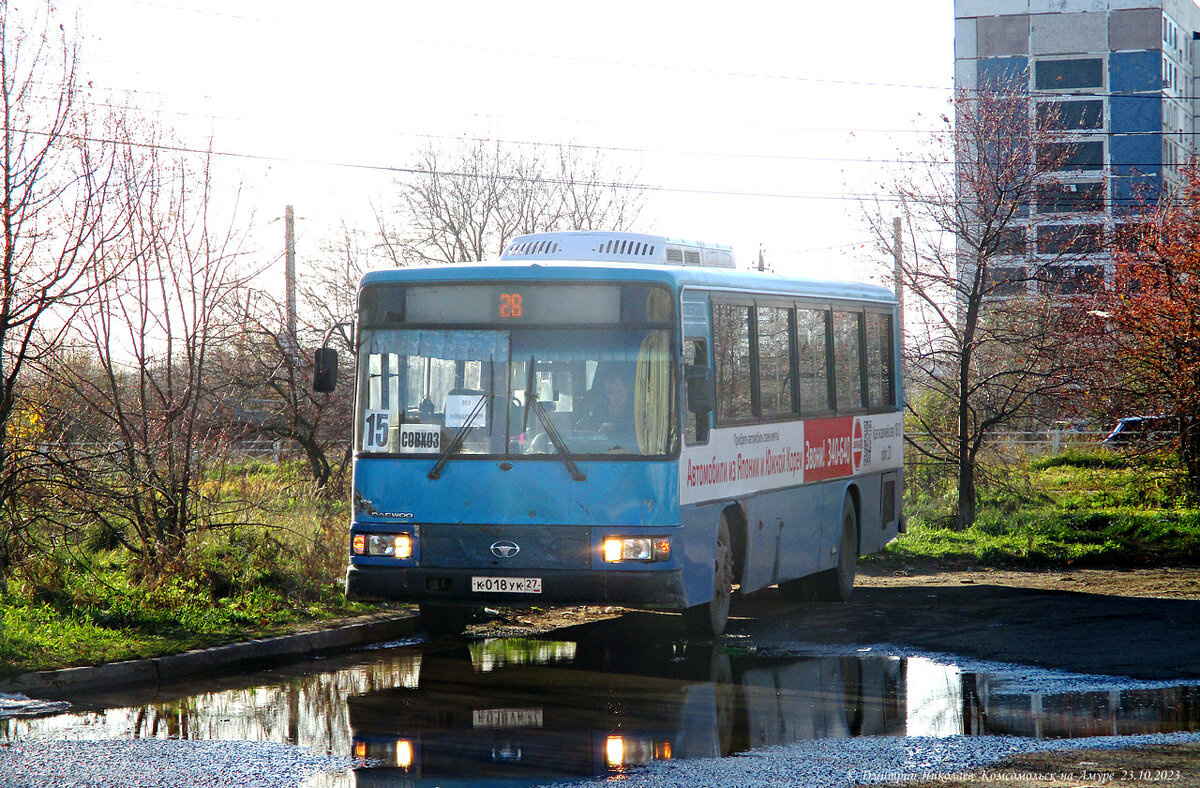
608,390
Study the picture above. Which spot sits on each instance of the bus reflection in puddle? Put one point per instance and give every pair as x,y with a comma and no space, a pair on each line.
523,712
514,712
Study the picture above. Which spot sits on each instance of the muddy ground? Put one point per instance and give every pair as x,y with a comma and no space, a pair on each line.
1143,623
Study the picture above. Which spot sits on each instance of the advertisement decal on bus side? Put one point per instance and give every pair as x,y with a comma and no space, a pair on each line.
743,460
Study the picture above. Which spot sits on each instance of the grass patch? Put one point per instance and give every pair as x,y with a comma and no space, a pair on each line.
276,568
1073,509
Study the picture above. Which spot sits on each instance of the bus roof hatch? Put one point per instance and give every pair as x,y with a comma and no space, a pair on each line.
615,247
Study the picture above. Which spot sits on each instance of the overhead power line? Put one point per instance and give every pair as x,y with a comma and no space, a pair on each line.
410,171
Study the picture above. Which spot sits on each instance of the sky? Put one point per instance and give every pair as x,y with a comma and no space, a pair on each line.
753,124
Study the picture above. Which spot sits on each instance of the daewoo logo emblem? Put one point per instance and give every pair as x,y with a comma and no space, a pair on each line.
505,549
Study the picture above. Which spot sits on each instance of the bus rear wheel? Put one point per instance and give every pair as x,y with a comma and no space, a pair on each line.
709,619
445,620
837,584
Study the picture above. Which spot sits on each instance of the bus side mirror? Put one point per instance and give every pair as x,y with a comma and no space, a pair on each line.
701,393
325,364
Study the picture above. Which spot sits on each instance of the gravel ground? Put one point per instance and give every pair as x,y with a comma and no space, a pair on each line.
867,761
160,763
815,764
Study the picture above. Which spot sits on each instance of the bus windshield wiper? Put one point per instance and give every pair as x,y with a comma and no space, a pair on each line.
456,442
531,400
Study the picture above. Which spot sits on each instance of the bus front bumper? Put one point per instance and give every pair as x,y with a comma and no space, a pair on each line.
657,589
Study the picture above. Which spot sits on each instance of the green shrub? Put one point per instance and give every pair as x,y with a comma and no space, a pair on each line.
1073,509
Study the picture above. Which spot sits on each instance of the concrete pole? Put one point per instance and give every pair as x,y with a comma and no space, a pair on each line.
898,271
289,239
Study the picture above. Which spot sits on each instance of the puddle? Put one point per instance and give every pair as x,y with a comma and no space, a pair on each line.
523,712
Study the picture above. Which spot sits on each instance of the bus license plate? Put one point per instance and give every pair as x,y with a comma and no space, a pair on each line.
506,718
507,585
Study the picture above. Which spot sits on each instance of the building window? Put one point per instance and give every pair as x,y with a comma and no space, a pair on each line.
774,361
1170,75
1070,115
1070,279
1011,241
1070,239
1004,280
1071,155
1070,197
1068,74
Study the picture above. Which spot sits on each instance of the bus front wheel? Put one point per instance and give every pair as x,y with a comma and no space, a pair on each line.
709,619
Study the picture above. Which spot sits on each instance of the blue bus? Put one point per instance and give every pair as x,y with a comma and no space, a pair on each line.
618,418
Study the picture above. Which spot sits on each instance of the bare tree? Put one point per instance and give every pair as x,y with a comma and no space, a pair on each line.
150,333
465,205
329,290
979,344
53,194
266,368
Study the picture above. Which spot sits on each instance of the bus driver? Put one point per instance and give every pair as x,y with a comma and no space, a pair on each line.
610,409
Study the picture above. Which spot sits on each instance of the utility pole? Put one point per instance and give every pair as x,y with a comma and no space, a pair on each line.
898,272
289,239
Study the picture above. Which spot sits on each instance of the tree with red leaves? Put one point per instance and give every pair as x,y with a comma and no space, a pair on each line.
1153,319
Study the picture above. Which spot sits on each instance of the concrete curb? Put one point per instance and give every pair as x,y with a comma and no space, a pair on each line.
190,664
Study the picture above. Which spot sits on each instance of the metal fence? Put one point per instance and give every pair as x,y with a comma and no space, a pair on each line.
1037,442
1050,441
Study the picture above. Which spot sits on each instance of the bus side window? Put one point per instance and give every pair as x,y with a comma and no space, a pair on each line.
812,334
695,430
848,361
880,391
775,361
731,340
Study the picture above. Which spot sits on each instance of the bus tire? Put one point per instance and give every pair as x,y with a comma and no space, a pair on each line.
709,619
837,584
445,620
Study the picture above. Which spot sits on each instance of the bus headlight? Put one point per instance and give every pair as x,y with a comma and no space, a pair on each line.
641,548
404,754
390,545
620,751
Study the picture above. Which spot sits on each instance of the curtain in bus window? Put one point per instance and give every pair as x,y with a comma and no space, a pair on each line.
457,345
653,391
597,344
847,358
812,337
731,343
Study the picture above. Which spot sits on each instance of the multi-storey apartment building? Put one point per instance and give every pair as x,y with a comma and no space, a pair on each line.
1119,78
